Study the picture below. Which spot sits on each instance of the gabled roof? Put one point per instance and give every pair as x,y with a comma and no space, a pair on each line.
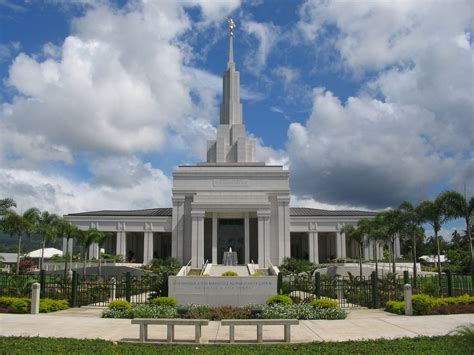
167,212
304,211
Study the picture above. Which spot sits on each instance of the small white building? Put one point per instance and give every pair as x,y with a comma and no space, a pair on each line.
229,201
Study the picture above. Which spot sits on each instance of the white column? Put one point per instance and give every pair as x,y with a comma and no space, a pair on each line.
283,227
343,245
381,251
147,247
366,253
214,238
197,238
338,245
121,248
397,246
316,247
94,251
67,248
246,239
263,237
177,228
313,247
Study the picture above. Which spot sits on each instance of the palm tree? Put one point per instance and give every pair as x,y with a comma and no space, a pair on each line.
67,230
436,213
46,230
85,239
465,209
5,205
392,226
100,238
356,235
372,229
16,224
411,223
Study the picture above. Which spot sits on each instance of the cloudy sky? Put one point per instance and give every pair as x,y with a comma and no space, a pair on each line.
368,103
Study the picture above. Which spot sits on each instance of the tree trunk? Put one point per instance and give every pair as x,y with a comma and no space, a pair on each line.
471,247
439,258
18,255
100,261
84,262
414,257
66,257
360,260
42,253
394,269
376,259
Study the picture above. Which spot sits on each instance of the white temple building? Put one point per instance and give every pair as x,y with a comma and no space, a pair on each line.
230,201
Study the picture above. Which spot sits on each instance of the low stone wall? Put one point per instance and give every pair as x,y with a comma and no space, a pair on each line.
221,290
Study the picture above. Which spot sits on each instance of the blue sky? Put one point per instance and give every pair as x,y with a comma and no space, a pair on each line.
367,103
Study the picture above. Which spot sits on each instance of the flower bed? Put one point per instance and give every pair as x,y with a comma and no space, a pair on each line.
425,304
273,311
23,305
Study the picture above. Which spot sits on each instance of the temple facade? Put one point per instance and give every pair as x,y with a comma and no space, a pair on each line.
229,201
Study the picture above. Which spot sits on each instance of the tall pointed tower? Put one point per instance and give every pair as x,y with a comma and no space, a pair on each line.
231,145
231,201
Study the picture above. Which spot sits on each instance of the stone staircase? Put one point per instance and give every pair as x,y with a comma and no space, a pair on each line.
218,270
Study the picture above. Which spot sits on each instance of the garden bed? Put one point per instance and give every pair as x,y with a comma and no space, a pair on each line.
320,309
426,305
23,305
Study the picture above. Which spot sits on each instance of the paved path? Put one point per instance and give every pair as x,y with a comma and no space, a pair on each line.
360,324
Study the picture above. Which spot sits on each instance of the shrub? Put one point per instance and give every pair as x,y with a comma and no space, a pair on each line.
452,309
322,303
48,305
422,303
17,305
216,313
23,305
397,307
153,311
296,266
164,301
301,311
279,299
257,274
120,305
117,313
230,273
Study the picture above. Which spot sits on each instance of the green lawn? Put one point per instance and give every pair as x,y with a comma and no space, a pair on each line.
423,345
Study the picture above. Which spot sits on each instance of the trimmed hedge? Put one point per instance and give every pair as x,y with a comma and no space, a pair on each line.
230,273
279,299
142,311
322,303
23,305
164,301
424,304
120,305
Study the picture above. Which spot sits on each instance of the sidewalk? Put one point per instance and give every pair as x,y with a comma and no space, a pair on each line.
360,324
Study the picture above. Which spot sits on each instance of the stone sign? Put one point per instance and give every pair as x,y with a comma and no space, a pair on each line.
221,290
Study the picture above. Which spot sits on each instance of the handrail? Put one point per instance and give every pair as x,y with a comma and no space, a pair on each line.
187,267
204,267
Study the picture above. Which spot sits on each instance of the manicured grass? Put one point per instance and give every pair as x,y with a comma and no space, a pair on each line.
426,345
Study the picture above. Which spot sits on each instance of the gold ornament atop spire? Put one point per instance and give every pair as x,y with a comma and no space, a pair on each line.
231,24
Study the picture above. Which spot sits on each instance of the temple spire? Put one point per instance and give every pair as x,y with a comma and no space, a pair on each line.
231,24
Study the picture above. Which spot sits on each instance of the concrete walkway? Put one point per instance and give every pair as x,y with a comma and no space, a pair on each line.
360,324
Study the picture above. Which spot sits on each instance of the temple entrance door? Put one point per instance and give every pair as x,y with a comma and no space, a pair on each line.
230,234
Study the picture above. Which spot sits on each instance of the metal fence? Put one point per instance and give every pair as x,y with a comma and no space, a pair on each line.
88,291
373,292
